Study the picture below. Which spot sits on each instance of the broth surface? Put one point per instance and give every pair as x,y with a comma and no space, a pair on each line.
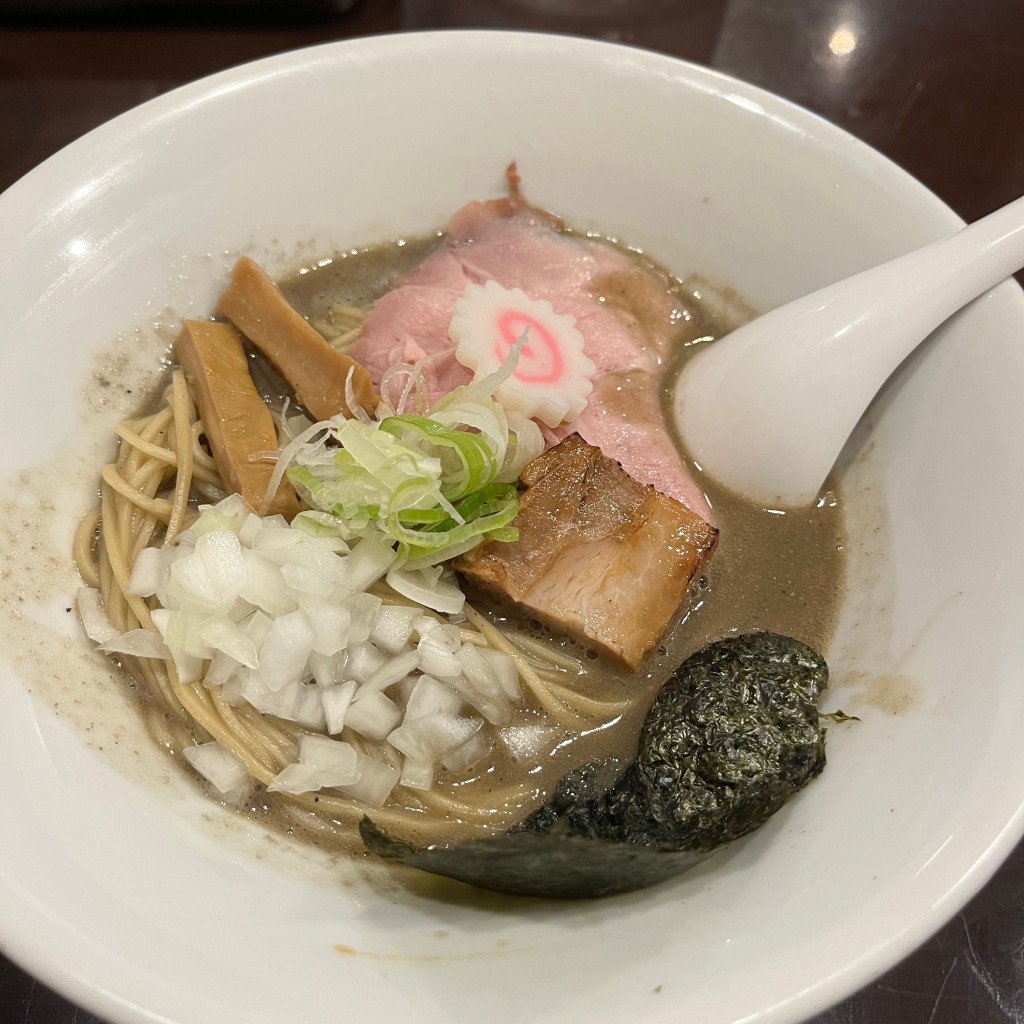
773,569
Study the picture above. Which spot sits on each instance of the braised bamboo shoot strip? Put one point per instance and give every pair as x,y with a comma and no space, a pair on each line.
238,423
316,372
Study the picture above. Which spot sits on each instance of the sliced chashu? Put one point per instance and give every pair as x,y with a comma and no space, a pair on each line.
626,313
599,555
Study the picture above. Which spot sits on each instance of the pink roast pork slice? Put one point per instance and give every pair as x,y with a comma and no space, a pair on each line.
624,313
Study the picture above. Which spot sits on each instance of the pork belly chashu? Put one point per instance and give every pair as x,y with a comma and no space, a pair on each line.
599,555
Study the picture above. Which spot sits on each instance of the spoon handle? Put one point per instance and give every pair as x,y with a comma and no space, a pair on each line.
957,269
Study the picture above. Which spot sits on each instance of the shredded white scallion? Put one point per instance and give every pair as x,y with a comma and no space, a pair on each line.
303,442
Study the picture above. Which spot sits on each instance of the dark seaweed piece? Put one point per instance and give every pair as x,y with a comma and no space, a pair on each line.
578,803
538,864
730,737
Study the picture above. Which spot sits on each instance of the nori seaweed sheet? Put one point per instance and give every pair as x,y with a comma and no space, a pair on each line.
537,864
730,737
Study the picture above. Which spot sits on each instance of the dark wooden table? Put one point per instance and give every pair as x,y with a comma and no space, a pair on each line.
937,85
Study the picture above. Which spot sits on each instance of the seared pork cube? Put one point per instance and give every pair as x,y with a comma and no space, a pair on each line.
599,556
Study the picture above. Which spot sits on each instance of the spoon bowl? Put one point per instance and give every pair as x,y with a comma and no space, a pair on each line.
767,409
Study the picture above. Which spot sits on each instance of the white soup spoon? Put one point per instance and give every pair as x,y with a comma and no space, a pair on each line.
767,409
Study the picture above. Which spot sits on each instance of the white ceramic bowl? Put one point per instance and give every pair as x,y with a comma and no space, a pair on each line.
124,889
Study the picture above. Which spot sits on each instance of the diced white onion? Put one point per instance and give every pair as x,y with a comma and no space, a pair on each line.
251,525
228,514
496,712
220,633
257,628
283,703
281,619
392,671
307,580
309,709
323,762
296,779
437,649
363,608
436,591
429,697
393,627
285,652
221,669
376,780
329,756
285,547
505,669
336,700
330,623
328,670
417,774
94,617
364,661
480,686
224,770
139,643
369,559
180,630
264,585
151,571
426,740
372,715
212,575
188,666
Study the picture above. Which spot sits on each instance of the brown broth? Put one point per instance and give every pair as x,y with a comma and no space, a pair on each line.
773,569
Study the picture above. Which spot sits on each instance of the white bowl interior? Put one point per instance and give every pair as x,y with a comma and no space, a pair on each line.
123,887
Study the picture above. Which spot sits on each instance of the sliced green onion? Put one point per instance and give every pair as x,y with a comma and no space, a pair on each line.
467,461
484,513
433,486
